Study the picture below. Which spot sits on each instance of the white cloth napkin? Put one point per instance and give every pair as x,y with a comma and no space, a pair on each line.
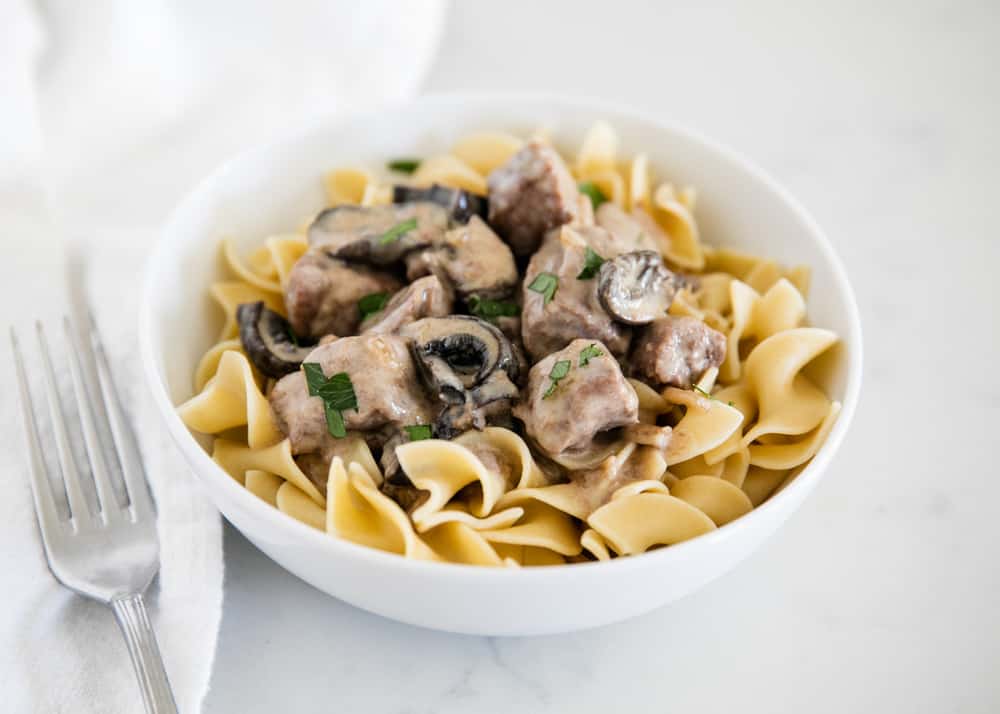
109,111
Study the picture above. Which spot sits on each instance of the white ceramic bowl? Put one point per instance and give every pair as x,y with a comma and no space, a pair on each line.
270,189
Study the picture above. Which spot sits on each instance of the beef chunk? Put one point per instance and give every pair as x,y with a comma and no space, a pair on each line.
676,351
590,399
530,195
426,297
472,258
575,310
385,382
323,292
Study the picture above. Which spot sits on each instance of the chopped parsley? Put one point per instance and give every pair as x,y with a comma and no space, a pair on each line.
404,166
397,231
337,393
418,432
701,391
588,353
372,303
592,262
596,196
491,309
559,371
546,284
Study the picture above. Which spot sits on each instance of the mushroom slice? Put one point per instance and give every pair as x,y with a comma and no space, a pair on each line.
379,235
470,365
268,340
636,288
461,205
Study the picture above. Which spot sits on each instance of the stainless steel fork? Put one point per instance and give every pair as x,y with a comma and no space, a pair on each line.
110,555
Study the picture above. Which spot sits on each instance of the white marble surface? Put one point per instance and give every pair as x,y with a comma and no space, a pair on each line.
880,594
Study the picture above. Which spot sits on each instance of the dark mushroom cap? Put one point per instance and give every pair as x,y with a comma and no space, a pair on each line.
469,364
636,288
461,205
268,340
365,233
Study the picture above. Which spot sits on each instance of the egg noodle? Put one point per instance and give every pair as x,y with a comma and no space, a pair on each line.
745,430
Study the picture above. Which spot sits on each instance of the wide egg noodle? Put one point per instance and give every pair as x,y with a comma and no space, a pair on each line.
757,317
232,398
456,542
639,184
788,403
790,455
485,151
759,273
760,483
264,485
597,163
357,511
592,542
346,185
717,498
237,458
507,447
243,271
542,526
449,170
635,523
651,404
284,251
260,263
208,365
701,430
458,512
291,500
442,469
735,467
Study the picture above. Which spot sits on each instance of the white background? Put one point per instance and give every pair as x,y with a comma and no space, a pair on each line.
881,594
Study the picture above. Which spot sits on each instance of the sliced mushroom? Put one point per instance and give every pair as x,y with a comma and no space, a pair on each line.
636,288
379,235
268,340
461,205
470,365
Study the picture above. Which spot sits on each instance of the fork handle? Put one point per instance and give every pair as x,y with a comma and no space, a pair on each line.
130,611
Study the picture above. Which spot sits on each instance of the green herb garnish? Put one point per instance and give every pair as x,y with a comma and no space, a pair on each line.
491,309
559,371
292,336
545,284
732,404
397,231
596,196
372,303
418,432
588,353
701,391
592,262
404,166
337,393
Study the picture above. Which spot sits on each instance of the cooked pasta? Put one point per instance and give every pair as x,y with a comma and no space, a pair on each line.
390,374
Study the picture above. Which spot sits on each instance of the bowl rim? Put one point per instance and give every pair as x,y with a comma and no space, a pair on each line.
202,465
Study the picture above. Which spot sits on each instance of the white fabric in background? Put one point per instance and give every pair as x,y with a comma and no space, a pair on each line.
109,111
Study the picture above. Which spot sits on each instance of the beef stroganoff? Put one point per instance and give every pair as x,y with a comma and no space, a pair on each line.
499,356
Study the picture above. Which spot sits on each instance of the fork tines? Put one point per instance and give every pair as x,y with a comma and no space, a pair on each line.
99,412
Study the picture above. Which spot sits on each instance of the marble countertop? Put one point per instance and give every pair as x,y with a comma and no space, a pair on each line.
879,594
